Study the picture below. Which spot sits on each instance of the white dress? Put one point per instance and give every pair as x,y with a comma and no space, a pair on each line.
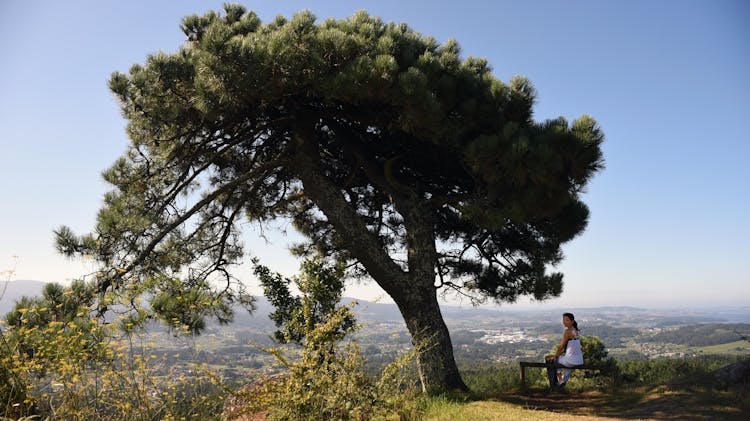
573,354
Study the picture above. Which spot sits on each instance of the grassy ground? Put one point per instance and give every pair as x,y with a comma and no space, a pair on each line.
656,403
496,410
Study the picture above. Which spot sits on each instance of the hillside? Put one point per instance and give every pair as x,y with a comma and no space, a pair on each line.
12,291
705,334
478,334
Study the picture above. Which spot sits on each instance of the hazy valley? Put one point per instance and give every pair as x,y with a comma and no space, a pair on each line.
478,334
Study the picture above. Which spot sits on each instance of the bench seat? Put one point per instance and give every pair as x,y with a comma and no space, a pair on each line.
525,364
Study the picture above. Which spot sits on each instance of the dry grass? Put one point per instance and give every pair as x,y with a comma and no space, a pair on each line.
498,410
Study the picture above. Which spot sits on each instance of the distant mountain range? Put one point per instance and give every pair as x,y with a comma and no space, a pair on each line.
12,291
367,311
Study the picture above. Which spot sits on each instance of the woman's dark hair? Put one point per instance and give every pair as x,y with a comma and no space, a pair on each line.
572,319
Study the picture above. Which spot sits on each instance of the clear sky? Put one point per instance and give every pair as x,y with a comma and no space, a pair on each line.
668,81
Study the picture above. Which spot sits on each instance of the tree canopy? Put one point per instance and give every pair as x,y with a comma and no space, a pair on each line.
392,155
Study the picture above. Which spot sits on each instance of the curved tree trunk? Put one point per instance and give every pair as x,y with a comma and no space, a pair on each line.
437,367
413,290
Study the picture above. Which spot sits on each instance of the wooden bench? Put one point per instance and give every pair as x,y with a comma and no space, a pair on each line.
524,364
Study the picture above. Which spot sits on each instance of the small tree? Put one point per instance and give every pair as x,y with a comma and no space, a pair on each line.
594,351
328,380
42,327
321,287
52,336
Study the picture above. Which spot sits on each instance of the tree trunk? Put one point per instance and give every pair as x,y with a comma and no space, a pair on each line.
413,291
437,368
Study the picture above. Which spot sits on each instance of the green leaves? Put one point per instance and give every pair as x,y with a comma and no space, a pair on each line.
594,351
321,287
43,327
184,304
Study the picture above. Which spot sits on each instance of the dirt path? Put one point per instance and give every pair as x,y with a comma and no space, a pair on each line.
654,404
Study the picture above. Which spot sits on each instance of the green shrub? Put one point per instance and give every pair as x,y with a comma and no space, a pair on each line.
59,362
328,381
486,379
694,370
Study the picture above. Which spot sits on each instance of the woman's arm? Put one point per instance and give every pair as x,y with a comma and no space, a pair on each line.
563,343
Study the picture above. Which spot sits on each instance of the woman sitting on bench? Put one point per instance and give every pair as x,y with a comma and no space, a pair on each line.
568,353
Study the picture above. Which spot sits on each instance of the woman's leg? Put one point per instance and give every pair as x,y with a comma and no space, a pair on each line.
566,375
551,372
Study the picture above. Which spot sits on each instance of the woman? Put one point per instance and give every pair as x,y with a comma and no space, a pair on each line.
568,352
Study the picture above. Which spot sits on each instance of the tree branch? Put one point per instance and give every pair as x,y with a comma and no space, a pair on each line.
192,211
363,245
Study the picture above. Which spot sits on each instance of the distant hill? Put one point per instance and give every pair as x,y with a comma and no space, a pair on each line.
367,311
14,290
704,334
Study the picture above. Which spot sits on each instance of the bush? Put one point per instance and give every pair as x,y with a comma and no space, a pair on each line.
328,381
58,362
486,379
695,370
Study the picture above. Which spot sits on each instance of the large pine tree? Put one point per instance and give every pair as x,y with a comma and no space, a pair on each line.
391,154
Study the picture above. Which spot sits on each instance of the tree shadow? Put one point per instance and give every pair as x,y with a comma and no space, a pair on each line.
658,403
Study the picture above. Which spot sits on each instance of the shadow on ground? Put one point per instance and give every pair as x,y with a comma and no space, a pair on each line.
660,403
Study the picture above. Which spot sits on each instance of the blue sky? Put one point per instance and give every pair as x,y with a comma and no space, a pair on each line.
668,81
